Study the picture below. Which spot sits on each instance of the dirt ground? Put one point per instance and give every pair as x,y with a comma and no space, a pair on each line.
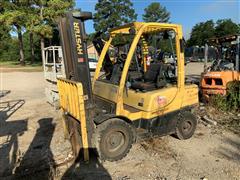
32,144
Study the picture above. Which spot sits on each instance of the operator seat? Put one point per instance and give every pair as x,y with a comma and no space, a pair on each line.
152,79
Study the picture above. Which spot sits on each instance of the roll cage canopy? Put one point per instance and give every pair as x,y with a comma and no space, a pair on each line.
220,40
138,29
148,28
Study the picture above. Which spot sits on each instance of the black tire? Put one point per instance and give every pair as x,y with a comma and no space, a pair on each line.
113,139
186,125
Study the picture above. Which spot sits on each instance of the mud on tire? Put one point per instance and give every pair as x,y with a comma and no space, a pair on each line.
186,125
113,139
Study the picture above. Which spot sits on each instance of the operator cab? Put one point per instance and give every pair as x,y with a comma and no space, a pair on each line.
133,78
150,68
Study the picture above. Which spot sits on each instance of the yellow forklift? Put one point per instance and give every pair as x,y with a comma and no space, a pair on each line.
126,99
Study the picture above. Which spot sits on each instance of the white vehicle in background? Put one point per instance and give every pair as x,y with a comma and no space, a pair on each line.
92,64
168,58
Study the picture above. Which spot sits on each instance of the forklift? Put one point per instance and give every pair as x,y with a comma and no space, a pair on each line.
224,69
126,100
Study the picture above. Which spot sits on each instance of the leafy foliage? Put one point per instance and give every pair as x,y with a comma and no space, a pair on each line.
35,16
156,13
230,102
27,47
5,37
9,49
43,15
110,14
201,32
13,13
226,27
13,16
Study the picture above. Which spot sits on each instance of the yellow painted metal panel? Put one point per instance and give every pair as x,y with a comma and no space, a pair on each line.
152,100
83,121
106,90
175,99
72,102
190,96
151,27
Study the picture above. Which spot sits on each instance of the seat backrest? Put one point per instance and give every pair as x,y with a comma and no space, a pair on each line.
152,72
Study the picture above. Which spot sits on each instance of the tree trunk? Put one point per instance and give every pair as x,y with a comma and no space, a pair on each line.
42,39
42,49
32,48
20,41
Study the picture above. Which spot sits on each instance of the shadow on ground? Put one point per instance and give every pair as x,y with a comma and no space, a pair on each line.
87,170
4,93
9,133
38,162
232,151
38,158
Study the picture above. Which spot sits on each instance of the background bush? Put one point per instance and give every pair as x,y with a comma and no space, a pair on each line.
230,102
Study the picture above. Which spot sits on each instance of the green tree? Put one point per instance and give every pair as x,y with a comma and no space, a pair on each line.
29,45
32,20
36,17
13,16
110,14
156,13
44,17
201,32
226,27
5,37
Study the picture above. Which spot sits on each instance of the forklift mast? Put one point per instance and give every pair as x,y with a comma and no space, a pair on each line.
74,46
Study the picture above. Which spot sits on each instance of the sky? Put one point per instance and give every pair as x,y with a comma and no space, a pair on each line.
184,12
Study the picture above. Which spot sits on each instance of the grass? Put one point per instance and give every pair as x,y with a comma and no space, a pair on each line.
7,66
226,109
17,64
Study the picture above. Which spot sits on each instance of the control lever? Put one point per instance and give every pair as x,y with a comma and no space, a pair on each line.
127,86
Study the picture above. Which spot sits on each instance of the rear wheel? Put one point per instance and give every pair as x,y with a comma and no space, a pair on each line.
114,139
186,125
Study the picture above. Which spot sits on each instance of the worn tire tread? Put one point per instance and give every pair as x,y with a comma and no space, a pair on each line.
101,128
178,133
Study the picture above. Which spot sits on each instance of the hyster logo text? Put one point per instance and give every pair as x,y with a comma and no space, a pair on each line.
78,38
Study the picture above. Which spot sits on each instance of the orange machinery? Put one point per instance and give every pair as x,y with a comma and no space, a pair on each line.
224,69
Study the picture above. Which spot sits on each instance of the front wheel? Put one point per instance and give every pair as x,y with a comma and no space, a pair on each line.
114,139
186,125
